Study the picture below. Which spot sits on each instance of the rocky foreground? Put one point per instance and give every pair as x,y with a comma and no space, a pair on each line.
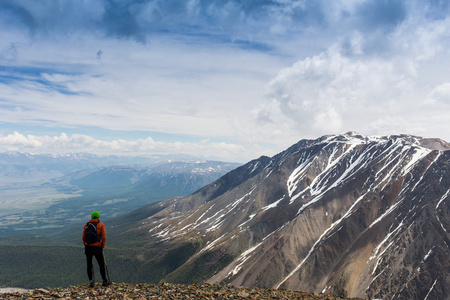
165,291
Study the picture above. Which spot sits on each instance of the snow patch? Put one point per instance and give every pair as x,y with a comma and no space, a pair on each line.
429,292
204,213
298,173
209,245
417,156
388,236
428,254
274,204
242,259
249,219
442,199
255,167
387,212
437,206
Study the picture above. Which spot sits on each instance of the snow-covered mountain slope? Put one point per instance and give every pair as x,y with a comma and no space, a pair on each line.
345,214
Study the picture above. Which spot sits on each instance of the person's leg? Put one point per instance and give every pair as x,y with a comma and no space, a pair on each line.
89,265
101,263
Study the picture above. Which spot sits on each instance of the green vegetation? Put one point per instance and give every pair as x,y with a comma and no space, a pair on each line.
40,266
129,259
57,266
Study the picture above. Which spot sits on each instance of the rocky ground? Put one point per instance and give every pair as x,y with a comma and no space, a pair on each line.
164,291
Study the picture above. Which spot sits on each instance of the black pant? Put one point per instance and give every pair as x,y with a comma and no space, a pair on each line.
98,253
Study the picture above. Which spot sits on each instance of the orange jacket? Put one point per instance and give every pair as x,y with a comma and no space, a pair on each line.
101,231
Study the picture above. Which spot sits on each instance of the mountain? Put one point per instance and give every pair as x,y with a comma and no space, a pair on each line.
30,165
345,214
42,192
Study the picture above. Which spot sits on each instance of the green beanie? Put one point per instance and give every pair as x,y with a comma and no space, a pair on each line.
95,215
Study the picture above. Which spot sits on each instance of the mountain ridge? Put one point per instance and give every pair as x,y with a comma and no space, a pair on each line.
341,214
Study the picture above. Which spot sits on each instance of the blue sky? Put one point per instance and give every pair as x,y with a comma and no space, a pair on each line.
219,79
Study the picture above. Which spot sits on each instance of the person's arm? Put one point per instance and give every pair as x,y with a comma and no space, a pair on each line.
82,237
103,235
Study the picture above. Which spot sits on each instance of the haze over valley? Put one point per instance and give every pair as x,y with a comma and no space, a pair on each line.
47,192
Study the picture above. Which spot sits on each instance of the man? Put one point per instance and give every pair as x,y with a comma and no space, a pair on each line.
94,239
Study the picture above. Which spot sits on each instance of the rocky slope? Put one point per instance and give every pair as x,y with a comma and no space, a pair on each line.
165,291
347,214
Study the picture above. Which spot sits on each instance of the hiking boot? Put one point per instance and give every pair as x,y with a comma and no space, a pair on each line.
106,282
91,284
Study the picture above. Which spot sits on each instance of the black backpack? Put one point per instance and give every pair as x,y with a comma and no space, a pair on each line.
90,233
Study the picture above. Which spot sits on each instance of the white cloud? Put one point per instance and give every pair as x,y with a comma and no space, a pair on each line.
139,147
329,93
400,85
440,95
243,72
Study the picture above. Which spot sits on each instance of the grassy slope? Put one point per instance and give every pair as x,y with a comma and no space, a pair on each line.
57,266
32,261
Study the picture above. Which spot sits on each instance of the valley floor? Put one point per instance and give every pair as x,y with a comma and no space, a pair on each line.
165,291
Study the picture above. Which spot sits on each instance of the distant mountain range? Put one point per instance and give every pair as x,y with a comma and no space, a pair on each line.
31,165
41,192
345,214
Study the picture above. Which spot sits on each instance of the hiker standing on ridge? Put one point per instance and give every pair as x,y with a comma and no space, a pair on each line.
94,238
